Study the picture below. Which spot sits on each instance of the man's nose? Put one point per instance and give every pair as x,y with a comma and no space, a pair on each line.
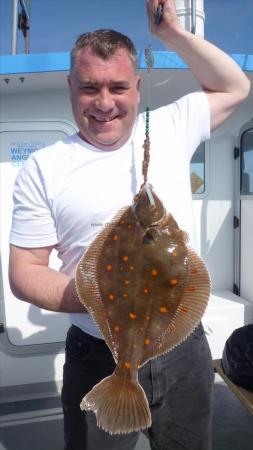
104,100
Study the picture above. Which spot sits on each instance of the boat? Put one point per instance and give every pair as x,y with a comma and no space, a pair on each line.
35,112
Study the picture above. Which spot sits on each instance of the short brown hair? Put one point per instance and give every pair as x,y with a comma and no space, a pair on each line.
104,43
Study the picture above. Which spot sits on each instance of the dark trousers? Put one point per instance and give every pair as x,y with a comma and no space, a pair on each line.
178,386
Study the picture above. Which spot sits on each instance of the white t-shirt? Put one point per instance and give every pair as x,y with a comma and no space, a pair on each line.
67,192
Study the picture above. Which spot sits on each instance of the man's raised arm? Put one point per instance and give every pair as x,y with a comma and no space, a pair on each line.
220,77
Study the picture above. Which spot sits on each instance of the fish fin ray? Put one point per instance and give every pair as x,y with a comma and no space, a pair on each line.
126,398
194,302
86,281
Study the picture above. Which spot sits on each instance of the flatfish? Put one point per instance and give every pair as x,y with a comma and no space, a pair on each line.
147,290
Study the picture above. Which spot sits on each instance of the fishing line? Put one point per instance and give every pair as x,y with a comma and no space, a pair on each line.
149,59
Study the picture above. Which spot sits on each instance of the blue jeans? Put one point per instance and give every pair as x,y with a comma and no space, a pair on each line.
178,386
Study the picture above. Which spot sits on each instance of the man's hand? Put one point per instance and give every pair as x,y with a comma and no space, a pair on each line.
169,26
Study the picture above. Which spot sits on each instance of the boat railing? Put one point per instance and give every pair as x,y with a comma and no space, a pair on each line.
20,21
193,16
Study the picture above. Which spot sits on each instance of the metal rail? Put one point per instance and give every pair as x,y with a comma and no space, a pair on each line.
14,27
193,16
20,21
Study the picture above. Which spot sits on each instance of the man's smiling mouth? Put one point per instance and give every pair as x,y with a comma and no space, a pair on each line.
104,119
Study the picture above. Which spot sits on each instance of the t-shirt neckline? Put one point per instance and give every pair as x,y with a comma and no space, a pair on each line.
76,138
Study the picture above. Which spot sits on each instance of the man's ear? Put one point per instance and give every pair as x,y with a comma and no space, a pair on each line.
69,81
138,85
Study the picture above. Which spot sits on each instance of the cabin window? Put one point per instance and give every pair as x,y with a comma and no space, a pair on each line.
198,170
247,163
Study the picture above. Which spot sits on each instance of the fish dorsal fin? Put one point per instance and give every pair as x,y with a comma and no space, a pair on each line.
87,280
190,309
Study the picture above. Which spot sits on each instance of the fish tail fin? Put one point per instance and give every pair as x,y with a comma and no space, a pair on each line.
120,405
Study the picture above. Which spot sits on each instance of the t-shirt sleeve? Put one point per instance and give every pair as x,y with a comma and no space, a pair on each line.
32,221
194,112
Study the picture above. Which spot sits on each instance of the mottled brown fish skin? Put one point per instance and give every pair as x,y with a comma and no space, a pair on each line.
142,274
149,293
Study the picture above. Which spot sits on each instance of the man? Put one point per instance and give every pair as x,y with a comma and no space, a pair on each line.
65,190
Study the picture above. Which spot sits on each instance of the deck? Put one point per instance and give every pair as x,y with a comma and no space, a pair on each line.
42,423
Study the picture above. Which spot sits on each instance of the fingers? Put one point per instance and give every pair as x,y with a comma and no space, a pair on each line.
159,15
152,6
168,24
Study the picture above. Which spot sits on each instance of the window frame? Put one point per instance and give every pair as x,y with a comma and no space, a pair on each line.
206,172
242,151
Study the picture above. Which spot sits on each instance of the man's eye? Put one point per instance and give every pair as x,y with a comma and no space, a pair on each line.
88,89
120,89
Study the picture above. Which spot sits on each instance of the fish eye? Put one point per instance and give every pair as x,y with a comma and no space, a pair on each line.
148,238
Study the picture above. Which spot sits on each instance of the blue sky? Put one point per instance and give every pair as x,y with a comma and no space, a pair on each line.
55,24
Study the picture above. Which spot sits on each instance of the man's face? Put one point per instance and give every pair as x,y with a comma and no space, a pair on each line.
105,97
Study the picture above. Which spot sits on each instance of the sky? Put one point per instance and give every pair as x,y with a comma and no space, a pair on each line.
56,24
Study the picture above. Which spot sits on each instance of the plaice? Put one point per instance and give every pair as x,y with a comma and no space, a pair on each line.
147,291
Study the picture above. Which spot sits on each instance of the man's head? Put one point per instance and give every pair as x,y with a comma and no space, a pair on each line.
104,43
104,87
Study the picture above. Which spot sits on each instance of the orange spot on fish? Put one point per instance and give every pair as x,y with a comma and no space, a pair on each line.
132,315
194,270
126,282
116,328
125,258
109,267
145,290
173,282
131,268
154,272
141,328
111,296
147,317
125,295
163,309
147,341
174,253
127,365
116,237
192,289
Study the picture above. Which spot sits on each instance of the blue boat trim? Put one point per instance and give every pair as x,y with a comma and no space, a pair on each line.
34,63
55,62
